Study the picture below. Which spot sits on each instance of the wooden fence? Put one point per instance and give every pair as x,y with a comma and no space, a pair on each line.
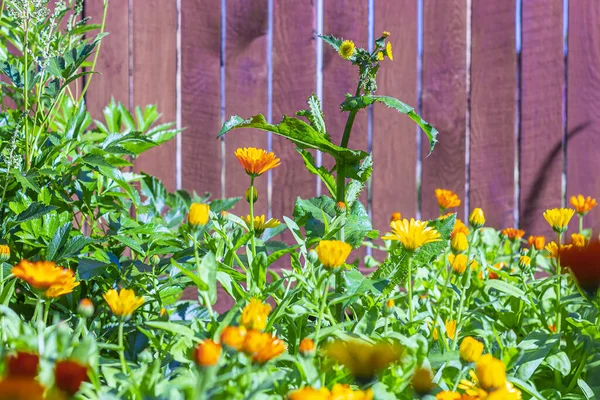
512,86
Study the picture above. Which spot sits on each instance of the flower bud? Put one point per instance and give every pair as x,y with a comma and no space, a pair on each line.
199,214
459,243
470,349
385,34
477,218
340,207
537,242
85,308
307,347
458,263
254,194
396,216
145,357
313,256
155,259
578,240
524,262
4,252
208,353
388,308
233,337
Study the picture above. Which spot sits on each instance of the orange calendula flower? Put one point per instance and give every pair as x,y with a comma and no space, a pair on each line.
256,161
477,218
308,393
346,49
491,372
459,243
388,51
459,227
69,375
363,359
199,214
446,199
396,216
524,262
21,388
458,263
344,392
412,234
4,252
537,242
552,328
208,353
333,253
513,234
470,349
553,249
583,205
306,347
254,315
262,347
23,364
46,276
448,395
233,337
260,225
422,381
578,240
558,218
122,303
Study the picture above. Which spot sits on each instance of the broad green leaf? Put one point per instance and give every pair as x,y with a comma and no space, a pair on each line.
58,240
560,362
356,285
208,274
356,185
353,103
172,327
89,268
194,278
358,225
326,177
536,346
506,288
35,210
586,389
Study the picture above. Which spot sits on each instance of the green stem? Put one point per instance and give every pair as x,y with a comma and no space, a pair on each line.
339,285
409,287
322,307
93,69
558,287
202,293
40,324
122,348
252,217
580,223
438,308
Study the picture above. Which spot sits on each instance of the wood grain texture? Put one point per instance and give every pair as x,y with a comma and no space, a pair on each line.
294,81
112,81
246,92
583,120
542,80
201,96
394,135
154,78
444,100
493,95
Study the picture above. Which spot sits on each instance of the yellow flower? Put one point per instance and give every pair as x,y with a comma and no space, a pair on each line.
346,49
491,372
450,328
46,276
4,252
254,315
524,262
559,218
553,249
124,302
199,214
233,337
385,34
458,262
459,243
538,242
260,224
459,227
306,347
388,51
470,349
343,392
333,253
363,359
308,393
390,303
477,218
583,205
256,161
208,353
262,346
446,198
396,216
504,394
448,395
422,380
380,55
513,234
578,240
413,234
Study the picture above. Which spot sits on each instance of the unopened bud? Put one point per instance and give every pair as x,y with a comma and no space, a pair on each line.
86,308
254,193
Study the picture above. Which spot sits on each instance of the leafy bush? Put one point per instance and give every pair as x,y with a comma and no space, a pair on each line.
95,258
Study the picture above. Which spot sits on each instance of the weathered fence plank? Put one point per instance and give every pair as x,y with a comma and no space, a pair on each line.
493,107
542,80
201,96
444,100
154,78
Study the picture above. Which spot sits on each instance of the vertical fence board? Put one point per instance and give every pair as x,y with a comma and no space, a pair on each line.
201,95
394,135
583,120
493,89
154,78
542,79
112,81
245,92
293,82
444,100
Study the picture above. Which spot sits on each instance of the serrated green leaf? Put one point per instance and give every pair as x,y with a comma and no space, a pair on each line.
58,240
332,41
326,177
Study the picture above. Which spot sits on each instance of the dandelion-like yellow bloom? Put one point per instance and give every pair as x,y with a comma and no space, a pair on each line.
422,381
524,262
450,328
123,303
396,216
208,353
380,55
308,393
578,240
254,315
583,205
477,218
559,218
46,276
199,214
458,263
459,243
388,51
491,372
513,233
306,347
363,359
346,49
554,250
538,242
333,253
256,161
459,227
233,337
260,225
470,349
412,234
447,198
4,252
448,395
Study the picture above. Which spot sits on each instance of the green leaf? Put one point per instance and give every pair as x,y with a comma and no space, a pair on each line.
76,121
586,389
560,362
194,278
74,246
332,41
89,268
314,114
506,288
58,240
536,346
356,185
314,214
35,210
208,274
353,103
172,327
326,177
358,225
356,286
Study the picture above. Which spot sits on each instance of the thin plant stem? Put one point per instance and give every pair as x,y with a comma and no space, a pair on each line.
558,287
252,239
122,348
93,69
437,311
580,223
40,324
411,312
322,307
